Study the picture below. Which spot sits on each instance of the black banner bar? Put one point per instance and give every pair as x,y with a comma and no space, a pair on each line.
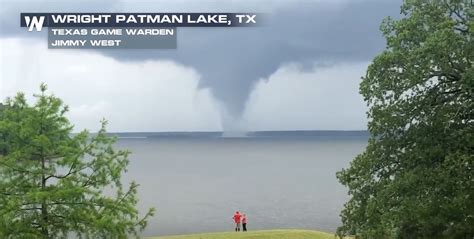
140,19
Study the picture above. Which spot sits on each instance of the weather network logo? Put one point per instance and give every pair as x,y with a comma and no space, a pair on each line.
34,22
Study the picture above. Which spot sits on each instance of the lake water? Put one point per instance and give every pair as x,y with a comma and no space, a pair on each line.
280,180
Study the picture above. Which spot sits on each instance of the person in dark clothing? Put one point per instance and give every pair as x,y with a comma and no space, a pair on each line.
244,222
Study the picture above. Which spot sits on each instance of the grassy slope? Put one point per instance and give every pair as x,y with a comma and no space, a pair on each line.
268,234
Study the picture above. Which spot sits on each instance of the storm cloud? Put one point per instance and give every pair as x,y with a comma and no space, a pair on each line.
232,62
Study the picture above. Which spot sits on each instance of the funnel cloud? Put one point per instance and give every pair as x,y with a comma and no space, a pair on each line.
231,63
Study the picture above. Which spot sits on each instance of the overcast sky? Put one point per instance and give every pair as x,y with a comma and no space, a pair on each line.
300,71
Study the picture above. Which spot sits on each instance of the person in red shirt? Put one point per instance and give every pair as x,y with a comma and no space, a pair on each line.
244,222
237,217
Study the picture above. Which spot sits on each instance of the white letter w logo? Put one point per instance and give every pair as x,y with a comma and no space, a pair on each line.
35,22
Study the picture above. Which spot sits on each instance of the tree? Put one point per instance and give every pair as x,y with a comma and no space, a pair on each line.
415,178
53,184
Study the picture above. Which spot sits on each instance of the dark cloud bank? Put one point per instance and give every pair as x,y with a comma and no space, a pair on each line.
230,61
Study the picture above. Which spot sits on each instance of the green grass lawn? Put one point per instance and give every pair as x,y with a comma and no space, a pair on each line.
267,234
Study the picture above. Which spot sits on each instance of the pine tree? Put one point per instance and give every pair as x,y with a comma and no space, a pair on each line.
54,183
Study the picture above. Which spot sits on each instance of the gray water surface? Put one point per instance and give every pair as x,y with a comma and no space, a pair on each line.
196,183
